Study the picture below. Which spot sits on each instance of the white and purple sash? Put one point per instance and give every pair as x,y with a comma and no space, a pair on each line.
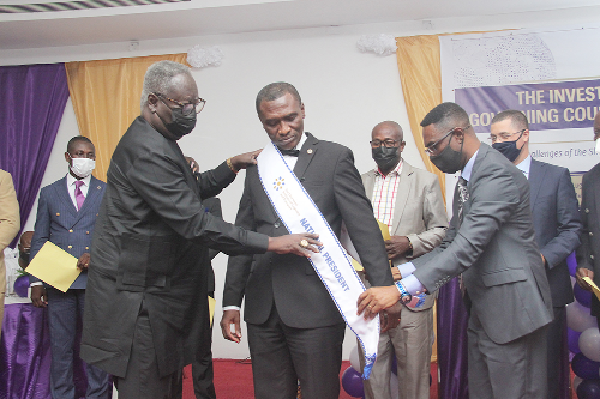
300,214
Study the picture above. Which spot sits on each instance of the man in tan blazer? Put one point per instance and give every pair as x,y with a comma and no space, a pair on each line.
410,202
9,227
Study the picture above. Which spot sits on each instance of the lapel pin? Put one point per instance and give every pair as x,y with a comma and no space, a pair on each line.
57,214
99,187
309,151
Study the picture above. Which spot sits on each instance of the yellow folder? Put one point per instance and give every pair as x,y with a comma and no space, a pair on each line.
54,266
593,285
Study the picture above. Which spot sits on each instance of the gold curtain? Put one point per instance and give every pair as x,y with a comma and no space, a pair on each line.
106,99
419,66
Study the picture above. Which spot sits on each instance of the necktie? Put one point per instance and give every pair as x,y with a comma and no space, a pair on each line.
290,153
79,197
461,196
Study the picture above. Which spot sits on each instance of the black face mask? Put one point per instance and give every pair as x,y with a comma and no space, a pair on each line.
448,161
181,124
385,157
509,149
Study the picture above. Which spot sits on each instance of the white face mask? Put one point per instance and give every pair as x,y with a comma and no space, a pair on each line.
597,146
82,167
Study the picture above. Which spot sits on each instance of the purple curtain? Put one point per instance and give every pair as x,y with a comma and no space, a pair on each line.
452,342
32,103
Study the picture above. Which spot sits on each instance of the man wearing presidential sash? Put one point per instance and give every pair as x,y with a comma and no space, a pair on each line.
293,313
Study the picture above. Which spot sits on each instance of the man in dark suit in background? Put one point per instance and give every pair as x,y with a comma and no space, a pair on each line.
151,239
66,216
588,254
295,331
490,241
557,228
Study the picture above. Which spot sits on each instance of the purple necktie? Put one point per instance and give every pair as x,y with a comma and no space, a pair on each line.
79,197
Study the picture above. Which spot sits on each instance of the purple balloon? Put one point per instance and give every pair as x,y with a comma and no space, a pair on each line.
588,389
352,383
582,296
573,337
572,263
21,286
585,368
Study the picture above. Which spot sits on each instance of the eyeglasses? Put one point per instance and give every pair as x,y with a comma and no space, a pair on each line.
433,148
387,143
186,108
504,136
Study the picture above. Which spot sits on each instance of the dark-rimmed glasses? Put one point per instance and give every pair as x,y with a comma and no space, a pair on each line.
186,108
387,143
432,148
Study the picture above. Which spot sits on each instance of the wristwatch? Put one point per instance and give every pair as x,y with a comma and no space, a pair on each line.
405,297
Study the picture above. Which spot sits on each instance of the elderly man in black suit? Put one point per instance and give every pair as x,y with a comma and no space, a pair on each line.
149,247
295,330
491,242
557,228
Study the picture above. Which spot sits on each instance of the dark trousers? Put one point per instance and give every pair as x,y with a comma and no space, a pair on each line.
282,355
142,378
64,309
558,355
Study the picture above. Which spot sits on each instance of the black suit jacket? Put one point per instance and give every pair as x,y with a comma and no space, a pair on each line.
556,223
150,245
588,254
327,172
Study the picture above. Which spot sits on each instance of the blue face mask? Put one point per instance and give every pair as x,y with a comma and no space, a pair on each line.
509,149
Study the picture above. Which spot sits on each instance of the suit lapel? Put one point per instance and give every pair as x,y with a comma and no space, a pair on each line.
369,182
405,186
537,173
307,152
595,178
63,193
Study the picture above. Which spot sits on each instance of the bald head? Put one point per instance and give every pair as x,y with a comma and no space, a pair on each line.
390,129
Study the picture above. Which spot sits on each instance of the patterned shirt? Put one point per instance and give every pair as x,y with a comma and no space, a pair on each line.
384,194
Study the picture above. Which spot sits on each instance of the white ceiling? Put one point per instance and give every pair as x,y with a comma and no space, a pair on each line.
208,17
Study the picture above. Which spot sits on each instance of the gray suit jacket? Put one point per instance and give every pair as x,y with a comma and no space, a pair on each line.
588,254
327,172
556,223
419,214
495,251
59,222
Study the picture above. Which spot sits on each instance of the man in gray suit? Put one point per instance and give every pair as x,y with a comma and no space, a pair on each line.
410,202
295,330
66,216
490,241
557,228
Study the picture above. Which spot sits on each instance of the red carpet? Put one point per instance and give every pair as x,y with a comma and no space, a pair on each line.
233,380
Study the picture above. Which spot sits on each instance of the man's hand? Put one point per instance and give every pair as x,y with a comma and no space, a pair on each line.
397,246
299,244
83,262
376,299
390,318
39,296
231,317
244,160
580,274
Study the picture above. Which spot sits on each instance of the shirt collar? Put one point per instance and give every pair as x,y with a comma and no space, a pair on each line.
524,165
397,170
71,180
468,169
301,142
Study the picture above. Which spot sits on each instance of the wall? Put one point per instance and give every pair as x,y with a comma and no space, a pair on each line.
345,92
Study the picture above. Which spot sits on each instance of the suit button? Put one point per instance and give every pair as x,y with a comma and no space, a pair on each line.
587,210
276,225
70,247
591,234
591,256
70,231
87,247
302,178
87,232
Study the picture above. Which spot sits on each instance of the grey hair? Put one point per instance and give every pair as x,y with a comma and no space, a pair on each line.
158,78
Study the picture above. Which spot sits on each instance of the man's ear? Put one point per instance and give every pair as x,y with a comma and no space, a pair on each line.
152,101
302,110
526,136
